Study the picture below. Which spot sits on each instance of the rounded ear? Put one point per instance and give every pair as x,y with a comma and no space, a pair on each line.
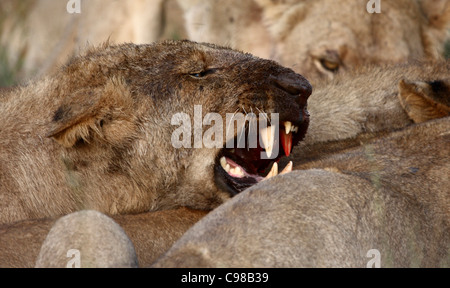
425,101
103,113
436,11
280,16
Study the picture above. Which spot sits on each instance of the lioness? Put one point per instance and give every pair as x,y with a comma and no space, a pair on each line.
98,134
374,109
390,196
319,38
371,103
151,234
385,203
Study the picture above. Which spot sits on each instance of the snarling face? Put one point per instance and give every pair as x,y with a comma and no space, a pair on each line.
182,139
261,108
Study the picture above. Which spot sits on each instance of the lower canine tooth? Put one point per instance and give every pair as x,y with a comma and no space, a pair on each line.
287,169
223,162
273,171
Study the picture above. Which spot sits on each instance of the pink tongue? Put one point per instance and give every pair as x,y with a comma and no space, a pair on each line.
286,141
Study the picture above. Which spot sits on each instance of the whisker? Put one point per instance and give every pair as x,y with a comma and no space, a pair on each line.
243,108
231,120
264,115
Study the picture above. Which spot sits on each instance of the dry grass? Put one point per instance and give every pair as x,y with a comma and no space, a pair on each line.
13,11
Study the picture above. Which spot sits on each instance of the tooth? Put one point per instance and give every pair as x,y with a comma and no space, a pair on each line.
227,167
294,129
268,137
237,172
273,172
288,126
287,169
240,172
223,162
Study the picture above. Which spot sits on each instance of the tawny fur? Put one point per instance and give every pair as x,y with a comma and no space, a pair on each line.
370,103
83,240
152,234
360,200
390,192
388,196
385,181
317,37
97,134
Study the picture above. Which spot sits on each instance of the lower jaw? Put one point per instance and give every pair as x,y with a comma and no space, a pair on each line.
235,185
225,183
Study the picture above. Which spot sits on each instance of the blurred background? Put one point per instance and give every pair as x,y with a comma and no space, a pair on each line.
37,36
317,38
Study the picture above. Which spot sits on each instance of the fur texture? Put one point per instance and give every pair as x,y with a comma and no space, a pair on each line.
320,38
369,103
383,186
87,230
355,191
152,234
97,134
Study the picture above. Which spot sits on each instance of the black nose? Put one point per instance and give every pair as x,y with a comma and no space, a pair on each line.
294,84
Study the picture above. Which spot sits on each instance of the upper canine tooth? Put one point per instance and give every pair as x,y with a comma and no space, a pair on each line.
287,126
268,138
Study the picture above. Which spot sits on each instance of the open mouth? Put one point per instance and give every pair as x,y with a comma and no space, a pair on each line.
239,168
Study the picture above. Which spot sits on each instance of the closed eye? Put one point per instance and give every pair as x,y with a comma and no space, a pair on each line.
203,73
